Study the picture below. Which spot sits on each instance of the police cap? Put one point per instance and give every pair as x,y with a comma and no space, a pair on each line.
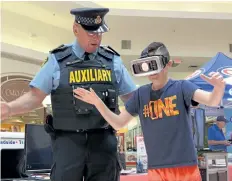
91,19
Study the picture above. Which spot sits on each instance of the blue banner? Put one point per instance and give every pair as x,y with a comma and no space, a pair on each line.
219,63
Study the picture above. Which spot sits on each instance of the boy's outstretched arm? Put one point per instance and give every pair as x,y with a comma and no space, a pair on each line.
116,121
211,98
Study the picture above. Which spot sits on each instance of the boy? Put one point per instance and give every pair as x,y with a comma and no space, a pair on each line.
164,111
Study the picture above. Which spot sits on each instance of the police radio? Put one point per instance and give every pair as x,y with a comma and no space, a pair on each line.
111,101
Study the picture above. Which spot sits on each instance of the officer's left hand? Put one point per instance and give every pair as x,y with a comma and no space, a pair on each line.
215,79
87,96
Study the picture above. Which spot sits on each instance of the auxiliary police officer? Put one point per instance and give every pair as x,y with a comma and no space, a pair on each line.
84,145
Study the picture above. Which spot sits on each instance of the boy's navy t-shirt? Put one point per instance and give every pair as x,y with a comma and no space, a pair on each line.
165,119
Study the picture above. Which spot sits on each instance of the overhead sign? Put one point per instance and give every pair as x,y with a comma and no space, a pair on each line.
13,87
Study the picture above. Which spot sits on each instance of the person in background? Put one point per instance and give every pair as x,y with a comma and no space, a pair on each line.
216,137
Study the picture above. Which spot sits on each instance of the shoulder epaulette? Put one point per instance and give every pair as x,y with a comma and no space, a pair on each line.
110,49
59,48
62,52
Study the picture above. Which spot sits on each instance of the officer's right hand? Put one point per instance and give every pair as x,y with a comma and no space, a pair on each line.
87,96
5,110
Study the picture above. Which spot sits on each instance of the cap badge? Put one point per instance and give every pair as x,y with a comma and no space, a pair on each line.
98,20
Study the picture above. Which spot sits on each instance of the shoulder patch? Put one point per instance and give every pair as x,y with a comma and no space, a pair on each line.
110,49
45,61
58,49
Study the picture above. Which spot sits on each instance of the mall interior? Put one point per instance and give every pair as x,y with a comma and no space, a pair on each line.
194,32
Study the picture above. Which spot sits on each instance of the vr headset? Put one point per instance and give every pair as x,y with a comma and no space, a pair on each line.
148,65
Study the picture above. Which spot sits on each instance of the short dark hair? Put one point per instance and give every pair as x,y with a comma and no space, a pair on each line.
156,48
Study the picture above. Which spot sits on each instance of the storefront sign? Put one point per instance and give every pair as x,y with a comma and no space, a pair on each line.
131,157
14,87
12,143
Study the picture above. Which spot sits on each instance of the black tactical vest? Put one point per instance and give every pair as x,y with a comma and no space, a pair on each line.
70,113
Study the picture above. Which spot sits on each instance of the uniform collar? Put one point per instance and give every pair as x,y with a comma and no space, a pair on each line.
79,52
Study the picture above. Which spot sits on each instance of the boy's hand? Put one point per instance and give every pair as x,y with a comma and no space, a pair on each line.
215,79
87,96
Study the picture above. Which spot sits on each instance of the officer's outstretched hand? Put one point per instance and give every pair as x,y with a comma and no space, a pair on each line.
215,79
87,96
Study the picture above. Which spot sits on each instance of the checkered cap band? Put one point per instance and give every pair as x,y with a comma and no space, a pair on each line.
85,21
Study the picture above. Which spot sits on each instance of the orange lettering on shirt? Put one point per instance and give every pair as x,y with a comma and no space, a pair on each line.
156,109
172,106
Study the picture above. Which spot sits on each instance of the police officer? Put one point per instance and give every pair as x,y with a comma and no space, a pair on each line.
84,145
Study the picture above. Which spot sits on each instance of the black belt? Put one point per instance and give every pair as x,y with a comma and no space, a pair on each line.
96,130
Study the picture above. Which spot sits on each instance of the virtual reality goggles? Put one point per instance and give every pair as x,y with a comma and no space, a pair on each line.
148,66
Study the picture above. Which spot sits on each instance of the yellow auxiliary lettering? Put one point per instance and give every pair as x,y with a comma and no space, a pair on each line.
99,75
91,75
77,76
83,76
88,70
104,75
71,77
108,72
95,74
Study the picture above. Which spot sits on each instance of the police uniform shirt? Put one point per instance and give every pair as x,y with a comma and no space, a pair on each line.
47,79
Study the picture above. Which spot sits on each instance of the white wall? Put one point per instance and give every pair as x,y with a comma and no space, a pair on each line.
184,37
10,66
